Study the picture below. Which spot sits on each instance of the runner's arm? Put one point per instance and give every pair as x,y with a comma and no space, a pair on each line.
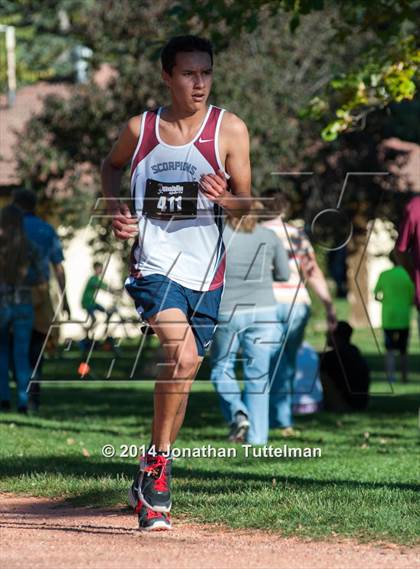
234,146
124,224
238,165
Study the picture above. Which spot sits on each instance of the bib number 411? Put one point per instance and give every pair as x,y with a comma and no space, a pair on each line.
170,204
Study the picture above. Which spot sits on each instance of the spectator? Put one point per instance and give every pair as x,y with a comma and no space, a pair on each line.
307,394
20,268
337,269
94,284
396,291
407,248
45,237
293,308
247,321
345,374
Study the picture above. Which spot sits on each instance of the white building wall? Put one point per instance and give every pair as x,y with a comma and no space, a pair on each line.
78,266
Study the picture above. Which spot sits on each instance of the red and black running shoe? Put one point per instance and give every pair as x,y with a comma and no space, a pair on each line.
149,520
151,486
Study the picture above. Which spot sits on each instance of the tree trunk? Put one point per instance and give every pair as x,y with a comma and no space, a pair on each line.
357,272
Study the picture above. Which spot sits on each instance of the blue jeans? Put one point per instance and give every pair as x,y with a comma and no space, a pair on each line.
257,334
19,318
294,322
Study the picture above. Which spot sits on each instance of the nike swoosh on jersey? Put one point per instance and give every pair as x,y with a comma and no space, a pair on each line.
201,140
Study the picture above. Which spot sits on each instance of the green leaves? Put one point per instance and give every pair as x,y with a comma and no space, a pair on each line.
374,86
338,66
383,74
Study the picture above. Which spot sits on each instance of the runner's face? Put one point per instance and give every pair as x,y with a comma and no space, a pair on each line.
191,79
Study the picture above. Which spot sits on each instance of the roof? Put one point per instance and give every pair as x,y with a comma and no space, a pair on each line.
29,101
12,121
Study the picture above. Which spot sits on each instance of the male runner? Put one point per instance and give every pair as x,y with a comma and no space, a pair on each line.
181,156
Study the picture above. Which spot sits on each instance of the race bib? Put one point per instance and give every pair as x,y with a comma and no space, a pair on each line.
170,200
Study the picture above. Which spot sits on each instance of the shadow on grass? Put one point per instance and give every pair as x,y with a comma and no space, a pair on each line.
200,480
104,404
129,410
377,362
64,366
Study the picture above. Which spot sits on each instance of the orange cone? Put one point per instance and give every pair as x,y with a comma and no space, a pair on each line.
84,369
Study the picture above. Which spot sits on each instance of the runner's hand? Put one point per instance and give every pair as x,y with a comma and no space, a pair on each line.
214,186
124,224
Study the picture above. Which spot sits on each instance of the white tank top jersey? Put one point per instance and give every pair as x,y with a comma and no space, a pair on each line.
188,251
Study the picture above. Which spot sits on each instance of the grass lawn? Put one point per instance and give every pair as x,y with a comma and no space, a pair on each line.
365,484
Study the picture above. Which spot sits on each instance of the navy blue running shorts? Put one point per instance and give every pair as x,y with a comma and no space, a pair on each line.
154,293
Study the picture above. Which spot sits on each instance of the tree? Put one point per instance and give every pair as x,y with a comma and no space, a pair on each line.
266,76
43,44
60,151
385,73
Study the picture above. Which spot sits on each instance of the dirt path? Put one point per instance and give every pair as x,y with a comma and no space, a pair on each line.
41,533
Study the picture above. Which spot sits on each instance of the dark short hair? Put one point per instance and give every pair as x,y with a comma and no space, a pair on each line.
275,200
97,264
25,199
183,44
343,330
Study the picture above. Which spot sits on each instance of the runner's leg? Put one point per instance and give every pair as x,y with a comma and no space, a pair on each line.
174,381
180,415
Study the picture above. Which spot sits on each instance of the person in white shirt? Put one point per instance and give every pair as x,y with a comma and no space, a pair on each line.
293,308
